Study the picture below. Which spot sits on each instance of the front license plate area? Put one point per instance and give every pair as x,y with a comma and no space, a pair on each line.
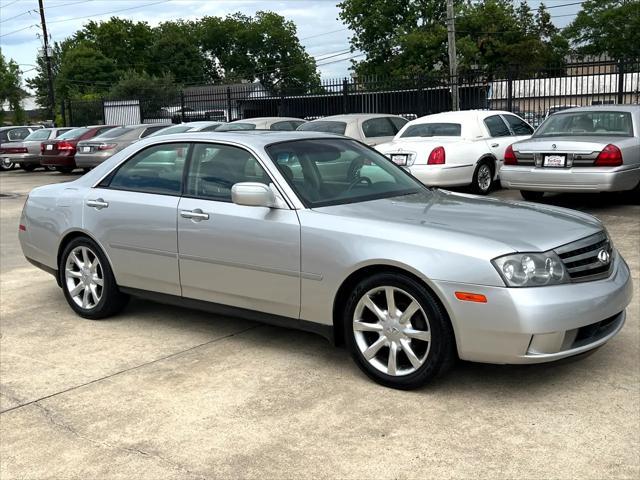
555,161
399,159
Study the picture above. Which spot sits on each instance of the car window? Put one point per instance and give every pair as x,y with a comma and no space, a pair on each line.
211,128
41,134
587,123
518,125
433,130
496,126
157,169
73,134
335,171
285,125
61,131
398,122
214,169
326,126
116,132
149,130
18,134
378,127
229,127
102,130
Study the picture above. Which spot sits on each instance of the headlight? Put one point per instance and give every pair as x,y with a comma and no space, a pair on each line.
531,269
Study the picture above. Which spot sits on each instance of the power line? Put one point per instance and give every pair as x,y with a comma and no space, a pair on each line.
9,4
107,13
325,33
564,5
18,30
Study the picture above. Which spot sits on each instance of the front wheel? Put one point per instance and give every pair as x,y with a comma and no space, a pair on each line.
482,182
6,164
88,282
397,332
531,196
28,167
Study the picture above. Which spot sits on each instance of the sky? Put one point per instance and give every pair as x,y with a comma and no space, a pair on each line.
321,32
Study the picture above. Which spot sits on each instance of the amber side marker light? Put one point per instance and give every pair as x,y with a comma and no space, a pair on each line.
471,297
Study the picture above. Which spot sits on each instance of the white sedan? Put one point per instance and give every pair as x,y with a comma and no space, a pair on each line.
457,148
369,128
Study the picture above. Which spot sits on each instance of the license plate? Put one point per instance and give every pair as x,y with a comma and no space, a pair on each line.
399,159
86,149
49,147
554,161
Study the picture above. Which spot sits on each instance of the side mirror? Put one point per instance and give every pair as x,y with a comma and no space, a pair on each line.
253,194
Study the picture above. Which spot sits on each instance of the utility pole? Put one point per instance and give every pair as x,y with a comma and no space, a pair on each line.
47,59
453,60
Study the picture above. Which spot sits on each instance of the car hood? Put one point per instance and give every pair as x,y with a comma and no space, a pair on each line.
517,226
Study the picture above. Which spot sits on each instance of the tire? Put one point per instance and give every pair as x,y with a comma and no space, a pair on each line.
81,282
6,164
429,334
49,168
64,169
28,167
483,178
531,196
86,170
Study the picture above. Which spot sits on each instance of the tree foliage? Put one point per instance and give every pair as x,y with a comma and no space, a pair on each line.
10,89
607,27
404,37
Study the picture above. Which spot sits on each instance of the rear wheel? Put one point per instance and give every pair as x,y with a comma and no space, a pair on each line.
49,168
88,282
397,332
64,169
483,178
28,167
531,196
6,164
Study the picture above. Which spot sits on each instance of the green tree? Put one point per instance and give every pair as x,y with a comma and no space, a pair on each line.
39,84
85,72
10,89
607,27
156,91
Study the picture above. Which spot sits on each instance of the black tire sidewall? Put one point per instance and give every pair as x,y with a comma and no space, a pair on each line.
475,186
111,296
531,196
442,341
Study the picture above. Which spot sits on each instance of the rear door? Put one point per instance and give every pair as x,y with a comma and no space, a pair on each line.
521,130
236,255
500,136
132,213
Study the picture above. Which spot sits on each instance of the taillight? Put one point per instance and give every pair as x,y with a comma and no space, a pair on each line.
42,148
107,146
437,156
62,145
510,156
610,156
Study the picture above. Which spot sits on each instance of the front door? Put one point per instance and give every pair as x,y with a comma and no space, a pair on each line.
247,257
132,214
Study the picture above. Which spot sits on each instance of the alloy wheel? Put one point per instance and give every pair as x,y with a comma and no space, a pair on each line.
6,163
484,177
84,277
392,331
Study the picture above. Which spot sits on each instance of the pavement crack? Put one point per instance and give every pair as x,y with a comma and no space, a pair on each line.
150,362
51,417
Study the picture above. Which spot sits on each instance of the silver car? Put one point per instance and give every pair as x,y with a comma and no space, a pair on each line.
27,152
324,234
588,149
96,150
188,127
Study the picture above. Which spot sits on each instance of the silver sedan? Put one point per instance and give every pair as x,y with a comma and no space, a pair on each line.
324,234
589,149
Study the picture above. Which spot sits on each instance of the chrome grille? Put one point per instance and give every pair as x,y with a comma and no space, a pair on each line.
581,260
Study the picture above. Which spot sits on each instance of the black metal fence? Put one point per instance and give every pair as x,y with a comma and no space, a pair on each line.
600,81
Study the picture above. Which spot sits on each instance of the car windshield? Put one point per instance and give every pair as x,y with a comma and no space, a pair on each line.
573,124
337,171
42,134
433,130
73,134
116,132
325,126
229,127
170,130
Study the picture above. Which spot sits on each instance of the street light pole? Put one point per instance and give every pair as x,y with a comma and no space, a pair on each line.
453,60
47,58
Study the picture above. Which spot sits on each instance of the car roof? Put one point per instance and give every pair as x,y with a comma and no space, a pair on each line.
266,119
249,138
459,116
595,108
348,117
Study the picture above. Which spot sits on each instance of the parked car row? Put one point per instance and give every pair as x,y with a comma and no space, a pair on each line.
587,149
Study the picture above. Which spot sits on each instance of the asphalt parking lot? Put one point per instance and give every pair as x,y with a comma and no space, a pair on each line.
162,392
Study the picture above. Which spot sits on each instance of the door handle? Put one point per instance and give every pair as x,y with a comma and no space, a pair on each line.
495,145
98,203
195,215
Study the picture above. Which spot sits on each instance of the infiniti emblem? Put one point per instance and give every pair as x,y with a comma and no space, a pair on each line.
553,145
604,257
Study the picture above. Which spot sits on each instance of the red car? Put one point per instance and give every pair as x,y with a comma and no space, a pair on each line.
60,153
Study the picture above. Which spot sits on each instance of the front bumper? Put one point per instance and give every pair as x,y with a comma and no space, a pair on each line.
578,179
443,175
540,324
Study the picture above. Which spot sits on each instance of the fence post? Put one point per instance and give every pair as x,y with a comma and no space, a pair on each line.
63,114
620,82
345,96
228,104
70,113
422,105
509,90
182,106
